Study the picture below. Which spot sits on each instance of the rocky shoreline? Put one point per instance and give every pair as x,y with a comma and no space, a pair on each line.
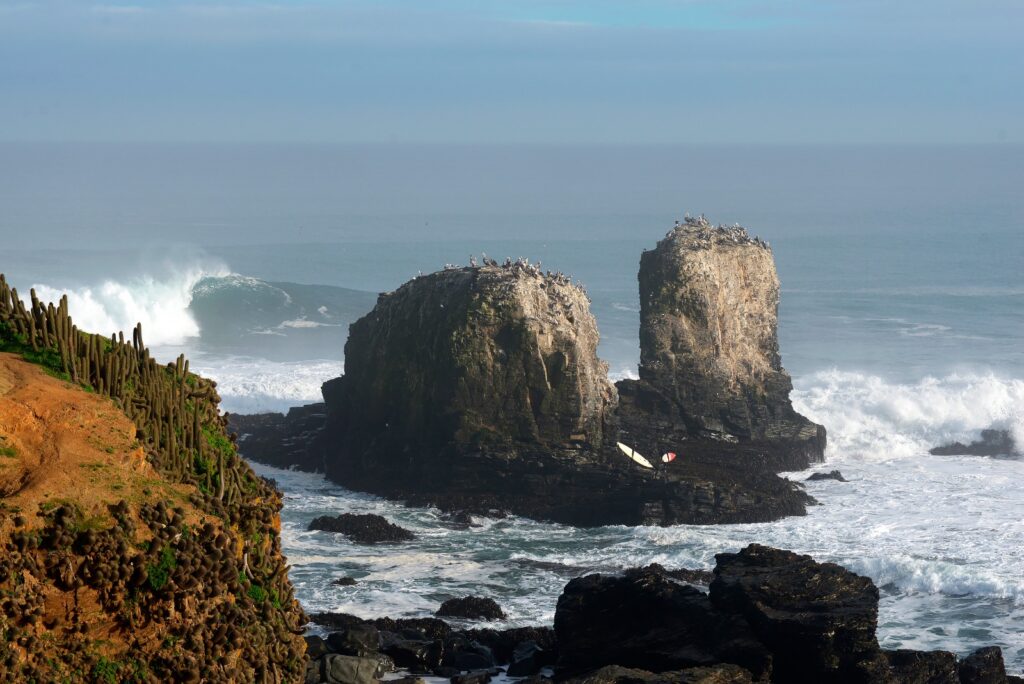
479,389
767,616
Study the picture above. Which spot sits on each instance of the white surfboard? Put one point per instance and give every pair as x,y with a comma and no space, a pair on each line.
634,455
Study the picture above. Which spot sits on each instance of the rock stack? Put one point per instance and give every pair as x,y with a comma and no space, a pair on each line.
479,388
709,353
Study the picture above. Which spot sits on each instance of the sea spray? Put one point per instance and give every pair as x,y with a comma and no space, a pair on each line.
161,304
869,417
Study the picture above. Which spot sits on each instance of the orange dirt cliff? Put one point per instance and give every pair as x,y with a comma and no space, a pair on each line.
135,545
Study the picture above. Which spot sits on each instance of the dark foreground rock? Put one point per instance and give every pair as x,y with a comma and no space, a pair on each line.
362,528
818,619
992,443
430,646
717,674
471,608
770,616
700,577
608,620
923,667
830,475
984,666
479,389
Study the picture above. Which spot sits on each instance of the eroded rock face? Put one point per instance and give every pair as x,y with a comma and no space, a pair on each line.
818,619
480,358
709,346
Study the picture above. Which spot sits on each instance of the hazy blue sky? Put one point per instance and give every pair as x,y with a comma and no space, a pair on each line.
514,70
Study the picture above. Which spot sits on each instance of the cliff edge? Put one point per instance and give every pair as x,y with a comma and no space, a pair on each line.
135,545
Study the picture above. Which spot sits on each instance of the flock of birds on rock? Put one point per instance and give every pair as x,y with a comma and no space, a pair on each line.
706,234
520,265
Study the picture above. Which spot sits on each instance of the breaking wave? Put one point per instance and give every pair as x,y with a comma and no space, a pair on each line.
870,417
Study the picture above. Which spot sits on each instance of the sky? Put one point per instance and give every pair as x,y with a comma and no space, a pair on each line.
513,71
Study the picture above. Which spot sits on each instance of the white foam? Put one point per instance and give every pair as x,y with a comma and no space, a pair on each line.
159,303
869,417
253,385
623,374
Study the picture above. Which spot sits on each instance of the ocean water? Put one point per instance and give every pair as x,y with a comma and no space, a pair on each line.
902,321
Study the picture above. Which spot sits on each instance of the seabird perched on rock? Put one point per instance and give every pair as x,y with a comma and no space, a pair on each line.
472,261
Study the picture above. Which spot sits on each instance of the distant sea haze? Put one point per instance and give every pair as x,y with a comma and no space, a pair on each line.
901,322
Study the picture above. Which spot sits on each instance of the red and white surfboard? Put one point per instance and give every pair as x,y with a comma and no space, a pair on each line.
668,457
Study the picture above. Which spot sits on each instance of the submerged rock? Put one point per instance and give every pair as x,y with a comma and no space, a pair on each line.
992,443
831,475
472,608
362,528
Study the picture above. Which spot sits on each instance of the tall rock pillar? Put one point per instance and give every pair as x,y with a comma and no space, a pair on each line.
709,299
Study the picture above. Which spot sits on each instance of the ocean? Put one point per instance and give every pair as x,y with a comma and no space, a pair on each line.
901,322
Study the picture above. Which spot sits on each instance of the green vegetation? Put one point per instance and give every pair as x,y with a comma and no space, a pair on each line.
106,670
160,572
8,452
48,358
257,593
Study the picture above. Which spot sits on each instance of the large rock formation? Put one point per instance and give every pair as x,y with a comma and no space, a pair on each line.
480,388
483,359
710,367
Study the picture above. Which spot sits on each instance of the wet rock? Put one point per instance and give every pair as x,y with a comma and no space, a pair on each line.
464,655
700,577
342,669
831,475
281,440
818,619
527,659
357,640
471,608
345,582
992,443
417,655
607,620
313,670
459,520
923,667
984,666
716,674
316,647
362,528
504,642
481,677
